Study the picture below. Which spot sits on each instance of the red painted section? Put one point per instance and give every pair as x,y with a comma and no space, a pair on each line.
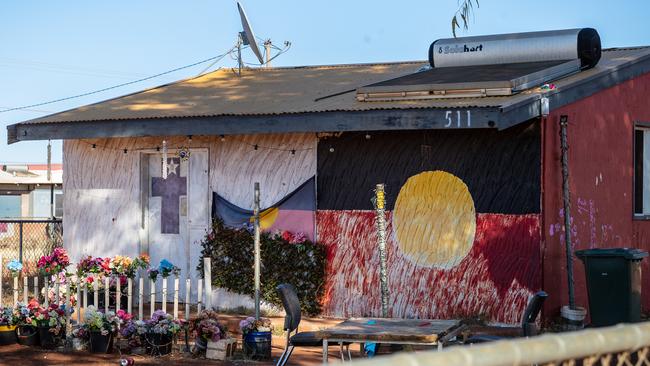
496,278
600,137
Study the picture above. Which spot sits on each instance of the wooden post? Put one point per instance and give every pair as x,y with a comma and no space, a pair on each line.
80,282
15,290
256,248
129,295
207,277
164,294
176,283
25,290
85,299
200,291
46,300
140,298
188,285
380,221
56,290
152,292
1,275
107,292
36,294
566,198
118,293
68,304
96,292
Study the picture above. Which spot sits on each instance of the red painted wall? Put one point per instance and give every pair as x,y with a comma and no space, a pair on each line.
600,136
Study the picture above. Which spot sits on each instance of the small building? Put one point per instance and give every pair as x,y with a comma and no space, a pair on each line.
26,192
470,158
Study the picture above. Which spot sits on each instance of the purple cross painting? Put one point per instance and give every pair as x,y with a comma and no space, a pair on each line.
170,190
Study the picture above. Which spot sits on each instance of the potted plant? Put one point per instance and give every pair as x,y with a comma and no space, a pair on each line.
94,270
25,330
206,328
50,322
7,326
134,331
256,335
80,337
15,267
102,327
161,329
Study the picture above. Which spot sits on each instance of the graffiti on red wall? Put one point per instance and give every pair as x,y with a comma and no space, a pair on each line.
495,279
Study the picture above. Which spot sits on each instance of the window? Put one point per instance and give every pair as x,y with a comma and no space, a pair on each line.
58,205
642,171
10,206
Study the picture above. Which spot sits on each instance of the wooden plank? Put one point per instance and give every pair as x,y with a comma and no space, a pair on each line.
387,330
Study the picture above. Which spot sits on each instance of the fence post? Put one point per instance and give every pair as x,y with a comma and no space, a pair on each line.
118,293
85,298
176,283
140,298
80,282
200,290
20,242
107,292
36,294
56,290
1,276
25,289
46,296
188,285
164,294
15,290
96,292
152,293
68,305
129,294
207,277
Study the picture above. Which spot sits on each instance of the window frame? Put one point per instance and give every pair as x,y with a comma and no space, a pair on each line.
637,216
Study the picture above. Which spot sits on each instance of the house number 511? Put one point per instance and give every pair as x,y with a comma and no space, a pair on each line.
451,116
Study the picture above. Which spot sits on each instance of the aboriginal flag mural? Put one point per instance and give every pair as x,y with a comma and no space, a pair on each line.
294,213
463,212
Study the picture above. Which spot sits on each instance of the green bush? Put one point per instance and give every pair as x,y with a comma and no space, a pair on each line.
301,264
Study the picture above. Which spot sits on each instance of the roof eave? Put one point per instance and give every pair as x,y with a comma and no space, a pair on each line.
371,120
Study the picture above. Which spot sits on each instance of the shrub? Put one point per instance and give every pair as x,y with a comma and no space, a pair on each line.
286,258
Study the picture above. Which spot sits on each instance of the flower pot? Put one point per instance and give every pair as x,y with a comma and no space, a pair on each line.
7,335
100,343
79,344
48,339
27,335
257,345
200,345
158,344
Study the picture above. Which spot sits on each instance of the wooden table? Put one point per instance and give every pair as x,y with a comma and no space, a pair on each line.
391,331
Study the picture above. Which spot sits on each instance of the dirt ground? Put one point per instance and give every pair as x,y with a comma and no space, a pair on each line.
17,355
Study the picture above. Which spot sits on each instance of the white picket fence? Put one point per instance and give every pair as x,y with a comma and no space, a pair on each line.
63,296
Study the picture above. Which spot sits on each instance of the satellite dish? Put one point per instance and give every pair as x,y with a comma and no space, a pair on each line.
248,35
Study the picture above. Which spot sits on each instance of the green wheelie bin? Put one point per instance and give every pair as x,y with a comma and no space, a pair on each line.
613,284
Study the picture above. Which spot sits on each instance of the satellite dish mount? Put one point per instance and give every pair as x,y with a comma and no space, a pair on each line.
247,38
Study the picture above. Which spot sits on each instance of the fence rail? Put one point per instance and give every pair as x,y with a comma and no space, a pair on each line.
620,345
75,293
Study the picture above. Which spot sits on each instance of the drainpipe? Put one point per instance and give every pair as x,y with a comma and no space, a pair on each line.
567,209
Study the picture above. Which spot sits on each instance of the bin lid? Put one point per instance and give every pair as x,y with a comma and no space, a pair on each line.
627,253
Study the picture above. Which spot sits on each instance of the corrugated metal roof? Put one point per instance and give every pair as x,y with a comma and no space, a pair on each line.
287,90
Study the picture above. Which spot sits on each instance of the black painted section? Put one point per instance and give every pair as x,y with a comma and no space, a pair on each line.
638,171
501,168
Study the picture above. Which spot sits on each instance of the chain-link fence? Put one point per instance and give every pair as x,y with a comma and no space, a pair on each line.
27,241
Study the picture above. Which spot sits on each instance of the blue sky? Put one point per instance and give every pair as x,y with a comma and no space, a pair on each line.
53,49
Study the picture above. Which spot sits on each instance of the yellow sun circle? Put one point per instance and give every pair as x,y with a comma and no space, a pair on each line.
434,219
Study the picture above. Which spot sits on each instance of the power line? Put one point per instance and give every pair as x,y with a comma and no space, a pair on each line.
218,58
